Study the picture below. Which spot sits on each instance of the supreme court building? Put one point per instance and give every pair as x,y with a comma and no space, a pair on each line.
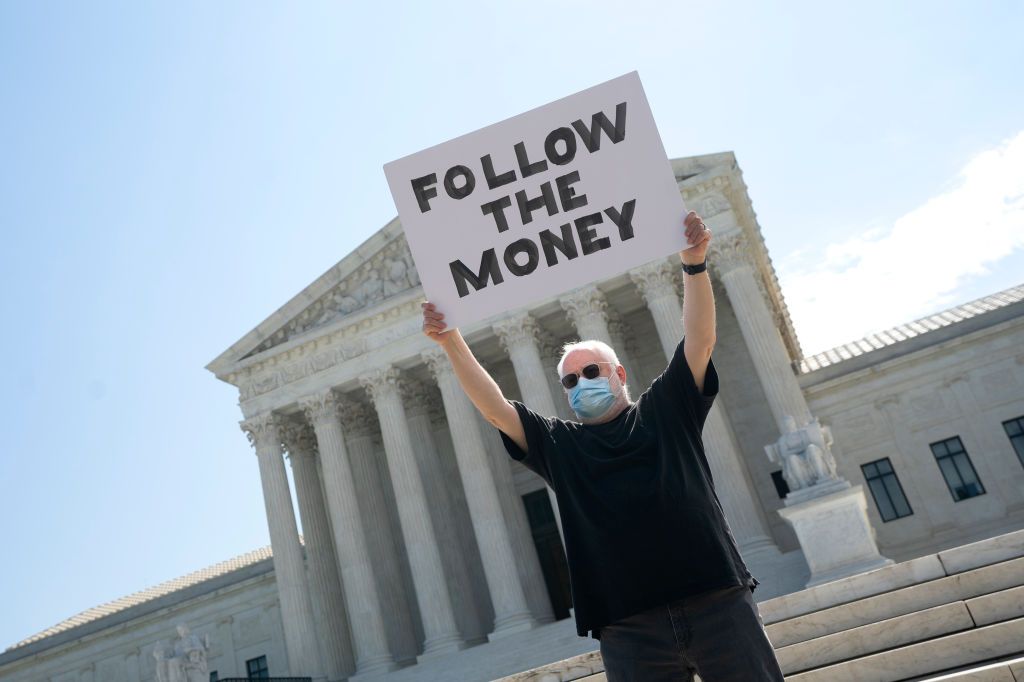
427,553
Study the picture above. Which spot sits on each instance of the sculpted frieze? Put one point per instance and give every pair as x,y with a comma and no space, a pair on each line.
387,273
351,342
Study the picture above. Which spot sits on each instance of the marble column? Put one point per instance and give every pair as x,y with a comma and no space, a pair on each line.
383,536
324,579
656,282
735,267
518,524
493,537
622,342
421,541
357,575
518,335
586,308
289,569
418,401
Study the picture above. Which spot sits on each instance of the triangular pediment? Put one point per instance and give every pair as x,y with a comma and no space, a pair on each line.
378,269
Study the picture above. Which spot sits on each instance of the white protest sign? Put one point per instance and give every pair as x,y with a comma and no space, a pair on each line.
552,199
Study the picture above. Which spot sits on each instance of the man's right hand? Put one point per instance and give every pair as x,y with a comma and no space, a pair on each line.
433,324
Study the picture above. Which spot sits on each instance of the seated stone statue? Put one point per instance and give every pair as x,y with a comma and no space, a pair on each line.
804,454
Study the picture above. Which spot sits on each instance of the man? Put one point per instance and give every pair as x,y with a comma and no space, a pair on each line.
654,569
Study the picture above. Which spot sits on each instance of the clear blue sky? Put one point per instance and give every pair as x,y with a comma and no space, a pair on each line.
173,173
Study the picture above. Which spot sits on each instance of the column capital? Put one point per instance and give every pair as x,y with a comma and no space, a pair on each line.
299,439
622,335
655,280
580,303
380,382
731,253
321,407
357,419
516,329
437,362
416,397
263,431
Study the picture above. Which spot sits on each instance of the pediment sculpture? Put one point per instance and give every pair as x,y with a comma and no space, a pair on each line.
388,272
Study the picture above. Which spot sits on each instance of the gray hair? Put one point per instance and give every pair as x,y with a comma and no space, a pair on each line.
600,347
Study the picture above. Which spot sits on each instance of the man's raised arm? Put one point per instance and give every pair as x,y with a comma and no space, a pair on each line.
482,390
698,301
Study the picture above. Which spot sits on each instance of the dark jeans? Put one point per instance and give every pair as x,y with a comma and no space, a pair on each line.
718,635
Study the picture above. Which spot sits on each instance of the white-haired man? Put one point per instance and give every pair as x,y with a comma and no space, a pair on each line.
654,570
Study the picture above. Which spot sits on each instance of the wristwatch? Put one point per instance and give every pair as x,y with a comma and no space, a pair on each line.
694,269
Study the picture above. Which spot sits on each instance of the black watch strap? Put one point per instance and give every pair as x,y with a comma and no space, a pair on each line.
694,269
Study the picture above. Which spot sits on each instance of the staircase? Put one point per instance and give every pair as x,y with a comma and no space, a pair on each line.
956,615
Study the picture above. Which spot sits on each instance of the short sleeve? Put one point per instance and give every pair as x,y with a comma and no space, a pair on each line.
678,386
538,438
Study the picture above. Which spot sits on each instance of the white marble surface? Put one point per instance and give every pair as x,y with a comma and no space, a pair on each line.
868,639
934,655
1000,548
818,522
897,603
998,606
849,589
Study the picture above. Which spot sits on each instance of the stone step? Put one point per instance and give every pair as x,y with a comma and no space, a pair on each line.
959,587
930,567
927,657
901,630
875,637
1011,669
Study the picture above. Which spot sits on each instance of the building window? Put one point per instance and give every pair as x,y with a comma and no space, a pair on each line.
886,489
213,676
957,469
256,668
781,487
1015,431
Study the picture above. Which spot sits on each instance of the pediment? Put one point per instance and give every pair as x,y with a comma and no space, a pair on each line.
379,269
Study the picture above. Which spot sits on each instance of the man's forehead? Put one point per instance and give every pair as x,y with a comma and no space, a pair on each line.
580,358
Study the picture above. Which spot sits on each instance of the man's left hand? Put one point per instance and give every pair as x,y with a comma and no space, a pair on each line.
697,234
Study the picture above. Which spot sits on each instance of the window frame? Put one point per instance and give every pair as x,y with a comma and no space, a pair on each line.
263,668
882,477
951,457
1017,445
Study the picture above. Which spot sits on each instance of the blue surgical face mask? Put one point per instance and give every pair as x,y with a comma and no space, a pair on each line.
591,398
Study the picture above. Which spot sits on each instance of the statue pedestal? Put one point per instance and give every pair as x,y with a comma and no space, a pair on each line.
831,521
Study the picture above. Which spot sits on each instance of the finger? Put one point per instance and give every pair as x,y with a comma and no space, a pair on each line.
432,315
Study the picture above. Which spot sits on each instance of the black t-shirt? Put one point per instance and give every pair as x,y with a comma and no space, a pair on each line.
643,525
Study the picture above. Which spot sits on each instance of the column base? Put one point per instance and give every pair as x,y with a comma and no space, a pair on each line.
439,646
759,549
834,532
374,667
512,625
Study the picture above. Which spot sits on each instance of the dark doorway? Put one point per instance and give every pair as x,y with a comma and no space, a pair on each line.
549,551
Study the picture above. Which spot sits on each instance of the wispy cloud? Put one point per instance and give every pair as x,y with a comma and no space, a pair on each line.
895,273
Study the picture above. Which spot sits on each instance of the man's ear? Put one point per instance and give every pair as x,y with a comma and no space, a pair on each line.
621,371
